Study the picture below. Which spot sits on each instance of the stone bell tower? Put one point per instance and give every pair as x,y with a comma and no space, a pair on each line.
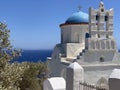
100,37
101,22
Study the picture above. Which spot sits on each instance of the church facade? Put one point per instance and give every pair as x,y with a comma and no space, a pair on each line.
88,40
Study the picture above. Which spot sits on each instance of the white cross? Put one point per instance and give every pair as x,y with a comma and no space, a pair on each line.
79,7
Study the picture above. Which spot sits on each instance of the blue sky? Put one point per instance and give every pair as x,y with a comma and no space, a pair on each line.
34,24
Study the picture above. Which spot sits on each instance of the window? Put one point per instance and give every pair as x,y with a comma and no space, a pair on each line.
105,25
106,18
97,17
102,59
87,35
102,10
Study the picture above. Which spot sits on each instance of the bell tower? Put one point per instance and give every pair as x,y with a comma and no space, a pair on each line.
101,22
100,29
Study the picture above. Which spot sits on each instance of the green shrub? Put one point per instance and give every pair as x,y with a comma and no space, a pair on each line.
33,77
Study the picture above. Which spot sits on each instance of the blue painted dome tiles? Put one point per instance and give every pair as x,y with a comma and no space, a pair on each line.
78,17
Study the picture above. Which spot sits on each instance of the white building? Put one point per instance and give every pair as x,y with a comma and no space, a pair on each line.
88,40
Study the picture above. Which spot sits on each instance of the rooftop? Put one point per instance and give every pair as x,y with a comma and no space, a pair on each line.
78,17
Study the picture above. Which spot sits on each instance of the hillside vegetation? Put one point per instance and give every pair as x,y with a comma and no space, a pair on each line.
18,76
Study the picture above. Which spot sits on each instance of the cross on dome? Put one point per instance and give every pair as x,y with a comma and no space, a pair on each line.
79,8
101,4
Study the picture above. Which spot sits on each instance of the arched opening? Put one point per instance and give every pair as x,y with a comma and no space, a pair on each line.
101,59
102,82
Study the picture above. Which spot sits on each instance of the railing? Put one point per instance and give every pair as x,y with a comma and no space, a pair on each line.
88,86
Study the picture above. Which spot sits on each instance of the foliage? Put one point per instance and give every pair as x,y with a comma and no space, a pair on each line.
7,52
11,75
33,77
22,76
17,76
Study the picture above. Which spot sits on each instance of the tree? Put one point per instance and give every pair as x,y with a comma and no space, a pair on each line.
7,52
8,71
13,75
33,77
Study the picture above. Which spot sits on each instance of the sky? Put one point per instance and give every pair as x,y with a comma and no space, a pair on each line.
34,24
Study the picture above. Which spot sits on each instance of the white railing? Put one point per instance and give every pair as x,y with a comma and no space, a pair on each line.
88,86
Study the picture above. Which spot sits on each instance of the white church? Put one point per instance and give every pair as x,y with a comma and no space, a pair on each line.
89,41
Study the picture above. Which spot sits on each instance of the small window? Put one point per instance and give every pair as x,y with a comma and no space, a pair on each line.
102,10
106,18
97,17
87,35
101,59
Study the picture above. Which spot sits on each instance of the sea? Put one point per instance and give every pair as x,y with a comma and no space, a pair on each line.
33,56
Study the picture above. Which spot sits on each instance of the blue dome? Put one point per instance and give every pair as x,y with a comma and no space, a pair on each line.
78,17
